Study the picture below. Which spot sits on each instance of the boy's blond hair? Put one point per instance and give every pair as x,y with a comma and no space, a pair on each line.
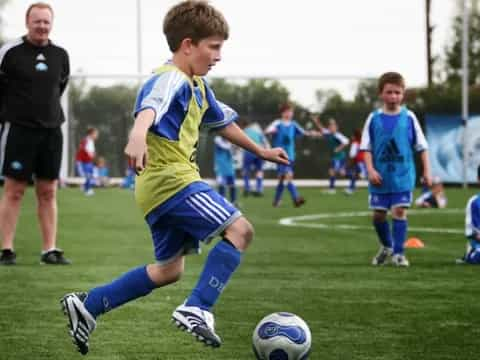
390,78
193,19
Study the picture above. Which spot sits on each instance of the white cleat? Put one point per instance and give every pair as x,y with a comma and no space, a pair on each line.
383,256
400,260
200,323
81,322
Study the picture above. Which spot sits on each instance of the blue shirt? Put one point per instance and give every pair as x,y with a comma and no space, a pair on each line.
284,135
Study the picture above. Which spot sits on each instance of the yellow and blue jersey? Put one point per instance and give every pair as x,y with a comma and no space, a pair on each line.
182,105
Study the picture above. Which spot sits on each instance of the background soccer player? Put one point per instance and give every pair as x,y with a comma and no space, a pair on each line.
390,136
472,229
337,143
284,133
224,168
251,162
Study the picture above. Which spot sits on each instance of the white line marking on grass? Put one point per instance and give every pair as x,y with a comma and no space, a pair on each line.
297,220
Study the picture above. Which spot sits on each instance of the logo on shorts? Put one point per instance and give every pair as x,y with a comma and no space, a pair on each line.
41,67
16,165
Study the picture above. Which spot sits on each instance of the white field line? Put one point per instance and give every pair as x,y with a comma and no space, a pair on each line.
297,221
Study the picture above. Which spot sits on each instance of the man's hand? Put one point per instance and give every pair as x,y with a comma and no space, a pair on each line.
136,151
277,155
374,177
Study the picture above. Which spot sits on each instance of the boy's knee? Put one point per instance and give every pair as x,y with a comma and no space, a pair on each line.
240,234
379,216
399,213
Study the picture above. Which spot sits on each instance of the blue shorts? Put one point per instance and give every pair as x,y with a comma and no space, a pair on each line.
226,180
252,162
284,169
390,200
337,165
84,169
200,216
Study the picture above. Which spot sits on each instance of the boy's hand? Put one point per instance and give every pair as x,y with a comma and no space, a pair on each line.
427,179
374,177
277,155
136,151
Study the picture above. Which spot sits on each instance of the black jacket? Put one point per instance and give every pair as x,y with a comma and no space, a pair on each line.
32,80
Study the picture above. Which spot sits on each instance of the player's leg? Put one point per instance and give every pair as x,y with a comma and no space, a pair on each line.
82,309
13,191
292,189
332,177
46,193
281,171
221,185
232,189
17,155
399,230
210,215
246,174
258,177
89,179
380,204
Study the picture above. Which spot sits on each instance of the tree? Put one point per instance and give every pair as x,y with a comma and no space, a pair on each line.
109,109
452,69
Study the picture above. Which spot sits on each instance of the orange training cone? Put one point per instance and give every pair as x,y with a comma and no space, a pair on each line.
414,243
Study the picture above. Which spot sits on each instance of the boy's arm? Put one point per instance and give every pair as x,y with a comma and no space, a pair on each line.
427,176
235,135
136,149
373,176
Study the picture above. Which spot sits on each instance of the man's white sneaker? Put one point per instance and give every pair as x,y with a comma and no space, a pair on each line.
200,323
81,322
400,260
382,257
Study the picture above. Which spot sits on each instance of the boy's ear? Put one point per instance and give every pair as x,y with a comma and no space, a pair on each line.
186,46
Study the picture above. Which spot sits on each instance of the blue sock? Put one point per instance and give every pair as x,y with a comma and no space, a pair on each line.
279,192
293,190
259,184
353,180
332,182
399,228
233,194
221,262
129,286
221,190
246,181
383,232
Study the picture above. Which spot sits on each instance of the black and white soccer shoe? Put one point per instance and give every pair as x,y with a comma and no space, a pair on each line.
200,323
81,322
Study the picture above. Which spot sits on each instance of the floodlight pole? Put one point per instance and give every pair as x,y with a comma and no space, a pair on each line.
465,71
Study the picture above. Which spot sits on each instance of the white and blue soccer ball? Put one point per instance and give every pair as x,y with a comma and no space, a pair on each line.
282,336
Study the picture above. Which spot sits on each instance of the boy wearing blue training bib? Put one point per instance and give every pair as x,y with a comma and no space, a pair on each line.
390,138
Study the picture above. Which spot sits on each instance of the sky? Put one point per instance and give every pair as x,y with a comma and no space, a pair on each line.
301,42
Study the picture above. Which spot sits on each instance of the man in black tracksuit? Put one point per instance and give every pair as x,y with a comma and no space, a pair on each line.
34,73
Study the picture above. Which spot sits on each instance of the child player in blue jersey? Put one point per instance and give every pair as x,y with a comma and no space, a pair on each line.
180,209
224,168
472,229
390,136
251,162
337,144
285,131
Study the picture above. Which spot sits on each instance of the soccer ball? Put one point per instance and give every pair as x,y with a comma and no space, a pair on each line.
282,336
